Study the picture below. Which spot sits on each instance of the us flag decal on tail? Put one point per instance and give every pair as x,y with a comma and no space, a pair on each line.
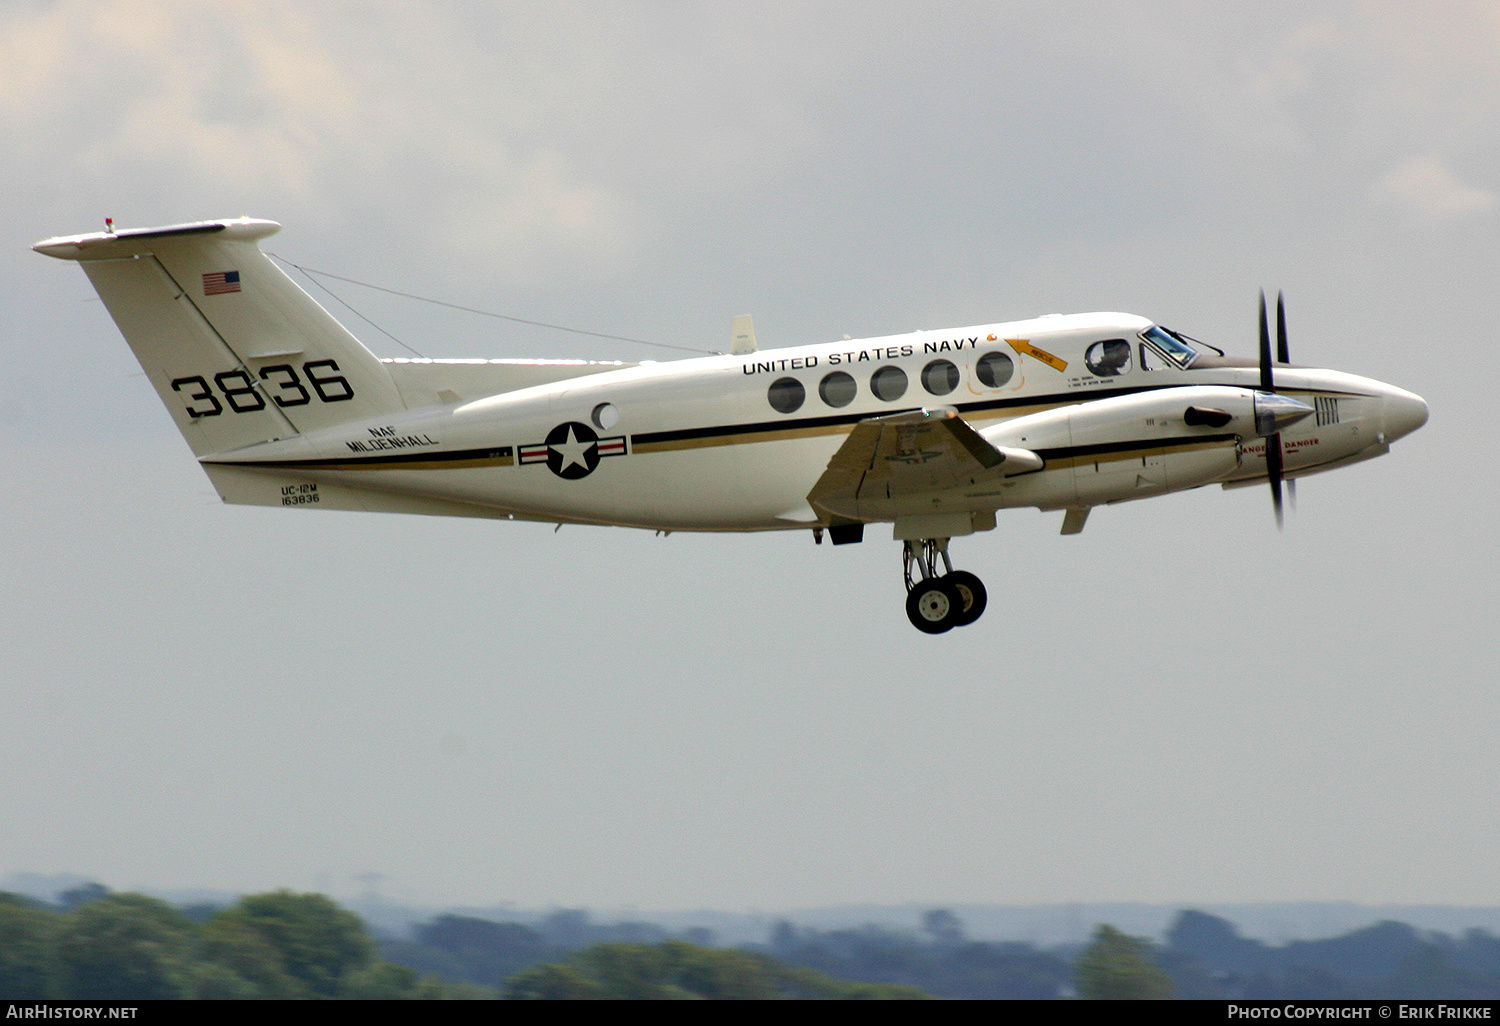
219,282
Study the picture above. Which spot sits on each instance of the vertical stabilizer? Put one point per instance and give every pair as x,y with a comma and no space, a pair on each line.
236,350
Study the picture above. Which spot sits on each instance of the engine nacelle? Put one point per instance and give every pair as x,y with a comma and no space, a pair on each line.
1132,446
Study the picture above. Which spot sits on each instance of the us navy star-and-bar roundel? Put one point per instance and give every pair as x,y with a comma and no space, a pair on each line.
572,450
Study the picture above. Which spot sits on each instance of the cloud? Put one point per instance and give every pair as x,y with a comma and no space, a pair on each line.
210,109
1426,187
542,140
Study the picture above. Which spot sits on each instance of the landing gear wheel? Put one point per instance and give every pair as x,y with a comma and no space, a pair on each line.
971,591
934,605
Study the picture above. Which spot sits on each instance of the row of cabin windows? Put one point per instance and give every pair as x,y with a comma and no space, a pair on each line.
838,388
1106,359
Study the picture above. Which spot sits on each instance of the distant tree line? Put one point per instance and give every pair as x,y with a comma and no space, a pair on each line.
94,944
940,959
676,969
1203,957
97,945
1207,958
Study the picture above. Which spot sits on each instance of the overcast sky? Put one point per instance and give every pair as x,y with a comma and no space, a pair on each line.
1178,705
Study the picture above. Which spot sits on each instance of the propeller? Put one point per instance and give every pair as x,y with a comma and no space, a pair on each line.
1274,412
1268,384
1284,356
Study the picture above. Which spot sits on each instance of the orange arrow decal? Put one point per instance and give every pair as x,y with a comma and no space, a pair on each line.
1025,348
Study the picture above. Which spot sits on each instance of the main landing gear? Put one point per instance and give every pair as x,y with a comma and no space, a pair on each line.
935,604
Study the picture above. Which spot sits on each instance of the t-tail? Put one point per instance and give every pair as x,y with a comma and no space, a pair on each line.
236,350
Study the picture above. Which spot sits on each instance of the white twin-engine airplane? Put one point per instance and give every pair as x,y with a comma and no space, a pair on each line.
931,431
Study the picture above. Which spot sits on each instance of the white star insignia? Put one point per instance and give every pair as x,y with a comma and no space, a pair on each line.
572,451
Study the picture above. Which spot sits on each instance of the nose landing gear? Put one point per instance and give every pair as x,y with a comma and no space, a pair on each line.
935,603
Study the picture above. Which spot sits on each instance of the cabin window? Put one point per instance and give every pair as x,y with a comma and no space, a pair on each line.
940,377
786,395
1108,358
994,369
838,389
888,383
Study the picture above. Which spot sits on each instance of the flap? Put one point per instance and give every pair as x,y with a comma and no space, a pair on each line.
907,453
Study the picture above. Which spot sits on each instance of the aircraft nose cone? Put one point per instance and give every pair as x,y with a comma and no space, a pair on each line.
1404,413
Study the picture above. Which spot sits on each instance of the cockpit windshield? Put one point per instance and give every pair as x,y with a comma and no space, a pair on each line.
1171,346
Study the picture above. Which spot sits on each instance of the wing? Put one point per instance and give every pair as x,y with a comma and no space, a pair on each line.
886,459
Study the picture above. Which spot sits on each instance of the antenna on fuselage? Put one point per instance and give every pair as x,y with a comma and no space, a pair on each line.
742,336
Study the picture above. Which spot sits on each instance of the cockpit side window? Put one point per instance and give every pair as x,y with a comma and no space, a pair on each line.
1108,358
1170,346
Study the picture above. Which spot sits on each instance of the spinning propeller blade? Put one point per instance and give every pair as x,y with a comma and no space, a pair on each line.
1281,351
1268,384
1273,472
1283,355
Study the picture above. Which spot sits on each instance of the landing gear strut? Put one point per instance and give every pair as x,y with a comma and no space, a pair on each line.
937,603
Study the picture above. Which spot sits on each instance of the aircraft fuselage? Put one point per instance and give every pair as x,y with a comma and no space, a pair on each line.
932,432
699,444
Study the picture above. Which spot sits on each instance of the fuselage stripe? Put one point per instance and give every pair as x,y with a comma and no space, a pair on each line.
805,427
495,456
756,431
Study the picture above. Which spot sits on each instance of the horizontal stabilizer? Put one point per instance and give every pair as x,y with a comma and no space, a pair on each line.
425,382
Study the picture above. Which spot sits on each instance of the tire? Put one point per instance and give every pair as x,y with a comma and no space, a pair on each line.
933,605
971,591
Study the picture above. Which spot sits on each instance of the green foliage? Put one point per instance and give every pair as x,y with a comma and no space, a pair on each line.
552,983
316,943
27,939
239,960
724,975
209,981
677,970
125,946
382,981
465,948
98,945
1119,968
131,947
945,964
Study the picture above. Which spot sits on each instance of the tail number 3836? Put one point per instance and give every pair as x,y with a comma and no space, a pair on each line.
282,384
